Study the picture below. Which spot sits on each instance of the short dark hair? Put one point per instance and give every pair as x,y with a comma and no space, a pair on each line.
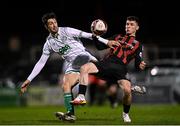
47,16
133,18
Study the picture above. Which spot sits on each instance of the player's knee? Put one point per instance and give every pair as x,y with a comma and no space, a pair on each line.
112,89
126,86
84,69
127,90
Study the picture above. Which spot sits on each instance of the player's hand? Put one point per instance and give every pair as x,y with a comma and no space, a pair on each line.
24,86
142,65
94,35
112,43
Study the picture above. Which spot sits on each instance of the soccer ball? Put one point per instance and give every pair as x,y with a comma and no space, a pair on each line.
99,27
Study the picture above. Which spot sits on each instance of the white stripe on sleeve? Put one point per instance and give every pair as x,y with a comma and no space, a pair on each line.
89,36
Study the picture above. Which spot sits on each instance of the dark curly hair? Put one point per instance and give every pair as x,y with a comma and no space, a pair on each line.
47,16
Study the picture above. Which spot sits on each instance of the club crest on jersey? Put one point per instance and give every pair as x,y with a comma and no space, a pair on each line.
64,49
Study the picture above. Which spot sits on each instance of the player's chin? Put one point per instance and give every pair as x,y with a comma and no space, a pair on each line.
54,30
128,33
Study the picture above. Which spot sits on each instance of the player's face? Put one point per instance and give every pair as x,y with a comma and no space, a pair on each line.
52,26
131,27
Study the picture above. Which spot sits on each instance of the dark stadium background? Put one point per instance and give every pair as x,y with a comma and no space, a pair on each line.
21,21
159,32
159,20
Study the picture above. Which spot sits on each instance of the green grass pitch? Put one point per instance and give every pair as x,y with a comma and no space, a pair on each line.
94,115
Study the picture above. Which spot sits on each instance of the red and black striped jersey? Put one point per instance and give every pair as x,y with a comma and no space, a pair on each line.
128,50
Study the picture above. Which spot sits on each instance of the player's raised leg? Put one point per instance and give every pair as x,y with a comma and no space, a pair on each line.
84,73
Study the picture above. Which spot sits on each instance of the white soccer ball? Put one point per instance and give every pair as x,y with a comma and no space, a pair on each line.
99,27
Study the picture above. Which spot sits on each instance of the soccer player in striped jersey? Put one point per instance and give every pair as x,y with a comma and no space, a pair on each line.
114,67
66,42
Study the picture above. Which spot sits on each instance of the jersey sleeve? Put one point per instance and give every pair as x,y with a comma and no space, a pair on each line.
81,34
46,49
72,32
101,46
38,67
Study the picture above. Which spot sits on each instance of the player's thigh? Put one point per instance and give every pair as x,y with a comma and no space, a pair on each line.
89,67
125,84
71,78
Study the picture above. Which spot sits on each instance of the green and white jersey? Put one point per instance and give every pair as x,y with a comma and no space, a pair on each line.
66,43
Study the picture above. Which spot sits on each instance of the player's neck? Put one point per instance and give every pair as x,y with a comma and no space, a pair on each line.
132,35
55,35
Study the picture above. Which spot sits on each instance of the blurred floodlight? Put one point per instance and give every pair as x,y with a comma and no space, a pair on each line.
154,71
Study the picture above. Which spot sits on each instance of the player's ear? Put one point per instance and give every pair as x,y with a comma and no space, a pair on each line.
137,27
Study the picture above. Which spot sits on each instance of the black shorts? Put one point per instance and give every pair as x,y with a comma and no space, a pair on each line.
111,70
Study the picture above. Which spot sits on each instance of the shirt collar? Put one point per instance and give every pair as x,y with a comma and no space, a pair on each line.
54,35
